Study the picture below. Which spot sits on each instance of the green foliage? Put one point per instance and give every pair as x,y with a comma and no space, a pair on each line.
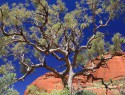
122,89
97,49
57,92
50,29
85,92
59,19
3,49
114,7
23,69
7,77
11,91
118,42
33,90
16,15
70,21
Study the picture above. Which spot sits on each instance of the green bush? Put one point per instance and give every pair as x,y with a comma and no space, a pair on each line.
122,90
57,92
97,49
33,90
85,92
118,41
7,76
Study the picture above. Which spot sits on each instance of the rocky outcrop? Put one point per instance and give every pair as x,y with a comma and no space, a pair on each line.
113,69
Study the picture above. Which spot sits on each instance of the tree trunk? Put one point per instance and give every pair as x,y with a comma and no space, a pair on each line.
70,78
64,80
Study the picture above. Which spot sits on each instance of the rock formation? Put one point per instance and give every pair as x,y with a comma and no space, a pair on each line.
112,70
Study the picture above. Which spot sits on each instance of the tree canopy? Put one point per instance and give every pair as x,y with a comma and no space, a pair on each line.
7,79
30,32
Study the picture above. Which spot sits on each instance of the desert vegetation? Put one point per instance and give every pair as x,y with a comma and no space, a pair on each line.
32,31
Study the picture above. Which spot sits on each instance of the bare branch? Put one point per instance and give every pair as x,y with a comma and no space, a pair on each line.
59,50
29,68
62,66
57,57
52,69
93,67
87,46
101,25
6,34
15,41
68,66
75,58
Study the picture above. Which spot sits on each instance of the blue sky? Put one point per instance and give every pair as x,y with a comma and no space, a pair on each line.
117,26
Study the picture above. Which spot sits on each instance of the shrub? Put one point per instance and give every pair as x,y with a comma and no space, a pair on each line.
33,90
122,90
118,42
85,92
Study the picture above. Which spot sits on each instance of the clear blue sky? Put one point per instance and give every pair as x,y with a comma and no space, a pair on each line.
116,26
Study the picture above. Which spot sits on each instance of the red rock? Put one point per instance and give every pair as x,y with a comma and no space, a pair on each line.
114,69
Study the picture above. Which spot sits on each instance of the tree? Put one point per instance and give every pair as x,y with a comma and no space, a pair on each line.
50,29
118,42
7,78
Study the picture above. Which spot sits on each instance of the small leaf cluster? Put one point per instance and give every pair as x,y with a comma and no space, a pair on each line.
118,42
7,78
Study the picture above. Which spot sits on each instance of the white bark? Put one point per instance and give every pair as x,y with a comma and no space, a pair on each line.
70,78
